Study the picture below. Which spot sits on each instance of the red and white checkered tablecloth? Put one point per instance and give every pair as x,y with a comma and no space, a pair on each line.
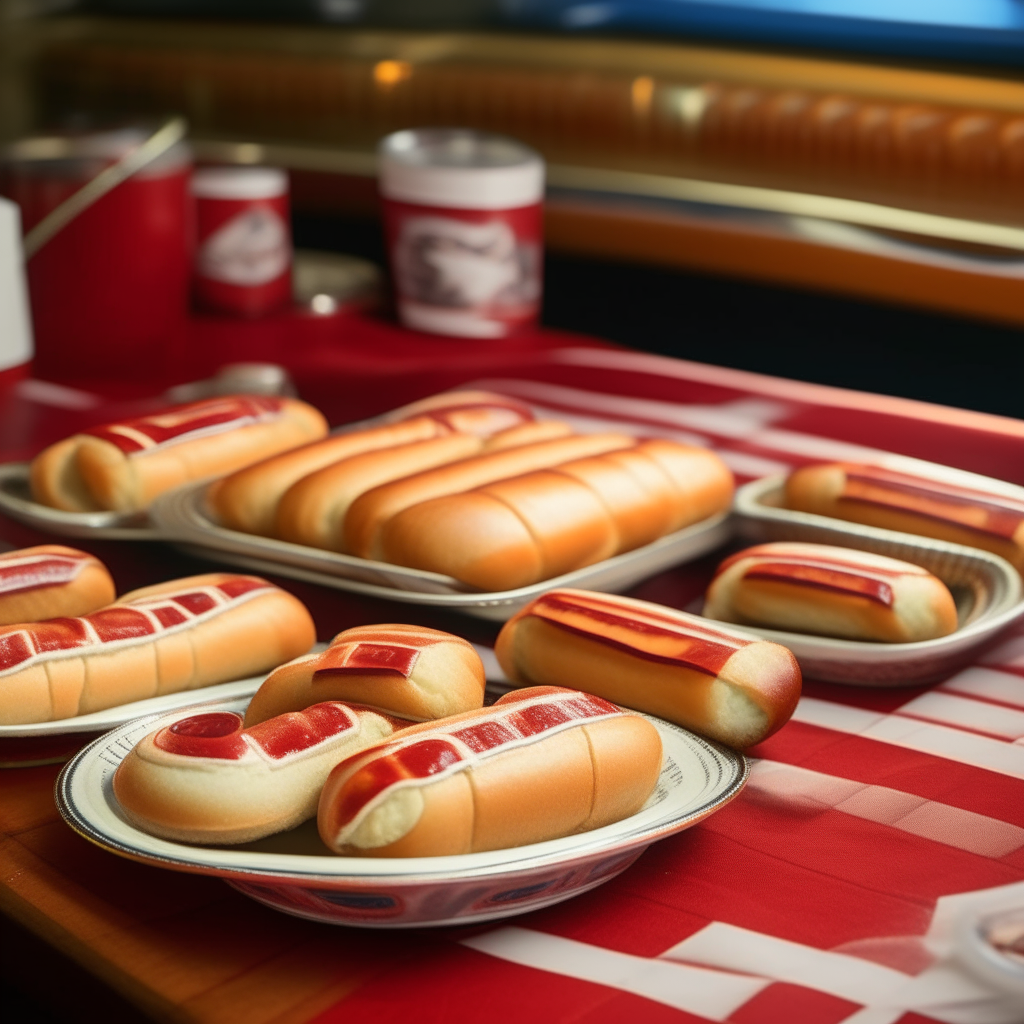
873,824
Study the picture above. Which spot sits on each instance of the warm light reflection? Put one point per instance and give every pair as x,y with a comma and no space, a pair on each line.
390,72
642,93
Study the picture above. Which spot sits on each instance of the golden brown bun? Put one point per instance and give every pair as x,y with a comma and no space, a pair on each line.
574,514
369,514
509,534
54,479
313,511
206,780
49,582
841,592
482,413
723,684
911,504
702,482
527,433
122,467
491,779
409,671
247,500
174,636
642,508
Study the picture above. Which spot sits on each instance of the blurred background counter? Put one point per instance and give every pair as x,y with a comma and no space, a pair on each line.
849,219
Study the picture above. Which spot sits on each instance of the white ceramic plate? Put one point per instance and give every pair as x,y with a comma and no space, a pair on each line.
294,872
22,746
987,590
110,718
181,515
16,501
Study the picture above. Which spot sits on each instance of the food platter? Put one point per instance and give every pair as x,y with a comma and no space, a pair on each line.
294,873
986,588
182,516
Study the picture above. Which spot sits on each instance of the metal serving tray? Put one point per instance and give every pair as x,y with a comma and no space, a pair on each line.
16,501
183,516
986,588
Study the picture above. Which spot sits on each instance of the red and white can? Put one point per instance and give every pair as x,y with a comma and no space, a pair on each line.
243,262
109,291
463,215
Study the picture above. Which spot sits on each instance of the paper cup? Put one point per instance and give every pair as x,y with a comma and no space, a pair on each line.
243,260
463,217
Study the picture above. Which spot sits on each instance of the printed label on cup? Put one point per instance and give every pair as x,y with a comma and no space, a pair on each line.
476,278
251,249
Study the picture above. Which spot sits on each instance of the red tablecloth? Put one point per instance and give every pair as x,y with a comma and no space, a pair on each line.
873,822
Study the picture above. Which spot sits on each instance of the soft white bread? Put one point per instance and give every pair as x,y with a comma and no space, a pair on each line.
841,592
162,639
912,504
409,671
123,466
482,413
519,531
247,500
313,510
727,685
205,779
51,581
538,765
370,513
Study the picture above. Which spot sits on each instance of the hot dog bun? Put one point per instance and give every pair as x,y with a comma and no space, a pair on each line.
841,592
538,765
509,534
527,433
409,671
205,779
247,500
162,639
368,514
911,504
50,581
482,413
123,466
727,685
518,531
313,510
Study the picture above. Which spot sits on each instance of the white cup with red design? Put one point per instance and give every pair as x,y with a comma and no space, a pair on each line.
463,215
243,258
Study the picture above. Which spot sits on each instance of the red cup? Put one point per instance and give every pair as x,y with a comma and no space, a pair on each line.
464,221
109,291
243,262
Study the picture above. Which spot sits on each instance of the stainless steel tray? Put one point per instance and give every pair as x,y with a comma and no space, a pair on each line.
182,516
16,501
986,588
